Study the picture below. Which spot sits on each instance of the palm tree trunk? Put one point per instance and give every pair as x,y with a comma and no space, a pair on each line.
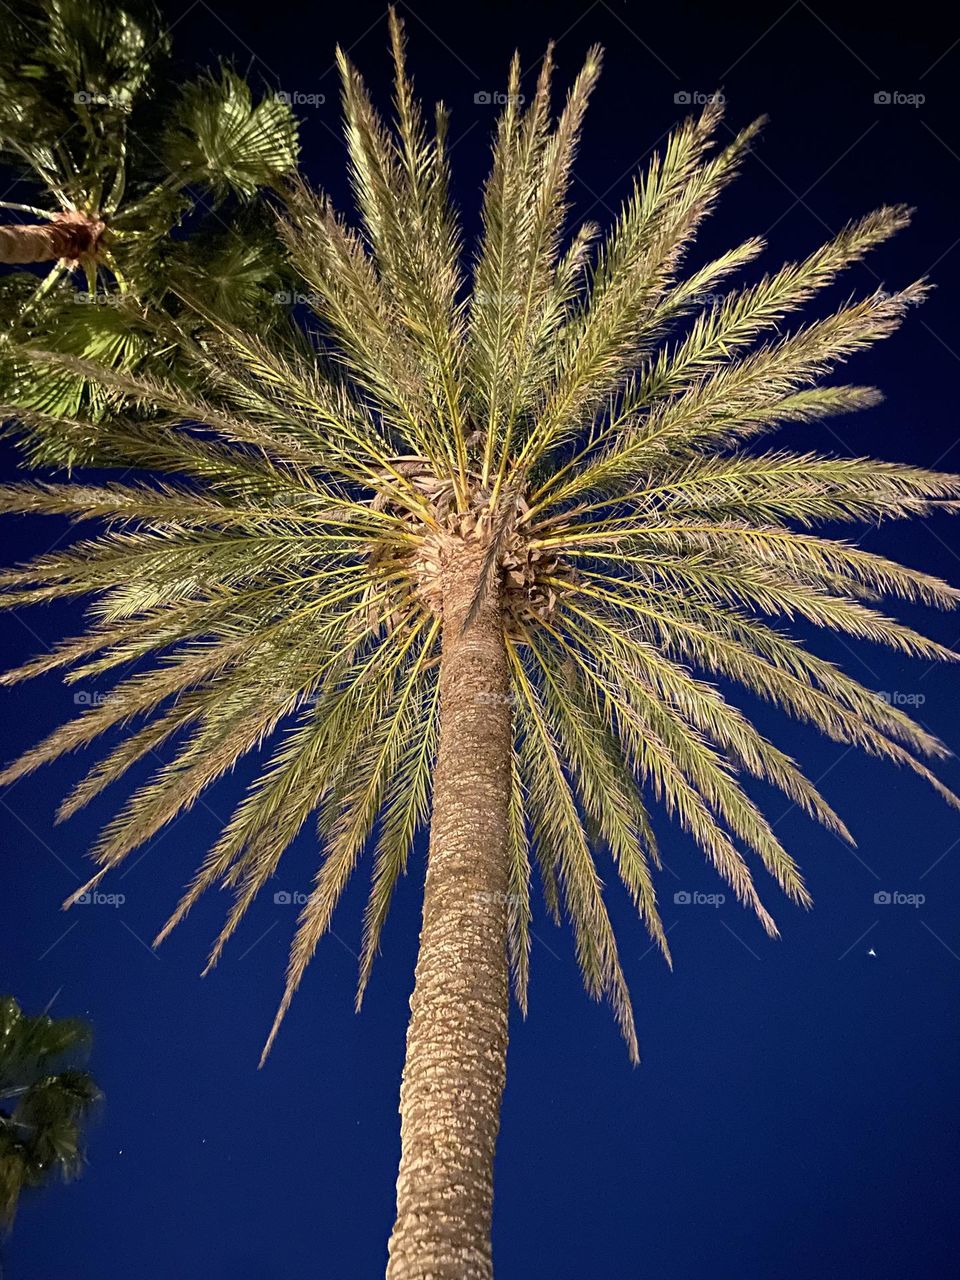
68,236
457,1038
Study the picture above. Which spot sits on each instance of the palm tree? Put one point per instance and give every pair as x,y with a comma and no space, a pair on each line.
471,558
115,156
43,1102
79,96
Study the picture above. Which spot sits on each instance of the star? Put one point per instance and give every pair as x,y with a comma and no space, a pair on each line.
871,952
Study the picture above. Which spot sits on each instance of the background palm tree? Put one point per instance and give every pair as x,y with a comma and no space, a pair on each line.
476,555
117,162
44,1101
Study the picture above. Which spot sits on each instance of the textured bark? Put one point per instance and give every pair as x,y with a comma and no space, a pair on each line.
69,235
457,1038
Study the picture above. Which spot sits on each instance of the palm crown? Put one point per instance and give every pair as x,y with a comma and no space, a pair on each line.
119,158
578,412
43,1101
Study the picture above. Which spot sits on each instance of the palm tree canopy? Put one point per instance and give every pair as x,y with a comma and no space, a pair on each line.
589,414
89,118
42,1101
97,131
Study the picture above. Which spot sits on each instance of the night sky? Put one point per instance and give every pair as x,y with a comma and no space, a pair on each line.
796,1112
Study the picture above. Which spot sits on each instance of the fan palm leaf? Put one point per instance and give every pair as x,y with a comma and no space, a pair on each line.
115,159
491,557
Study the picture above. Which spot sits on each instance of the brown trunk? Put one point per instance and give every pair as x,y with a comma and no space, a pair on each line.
457,1038
69,235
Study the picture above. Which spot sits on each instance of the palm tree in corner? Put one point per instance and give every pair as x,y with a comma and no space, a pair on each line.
471,558
133,181
117,159
43,1101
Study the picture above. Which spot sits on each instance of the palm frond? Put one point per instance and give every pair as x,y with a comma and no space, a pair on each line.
219,137
582,408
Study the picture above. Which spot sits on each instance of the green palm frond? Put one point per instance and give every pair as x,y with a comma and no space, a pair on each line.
44,1101
218,136
236,268
72,70
104,328
595,418
94,129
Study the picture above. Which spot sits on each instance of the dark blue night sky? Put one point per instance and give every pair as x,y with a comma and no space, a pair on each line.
797,1111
